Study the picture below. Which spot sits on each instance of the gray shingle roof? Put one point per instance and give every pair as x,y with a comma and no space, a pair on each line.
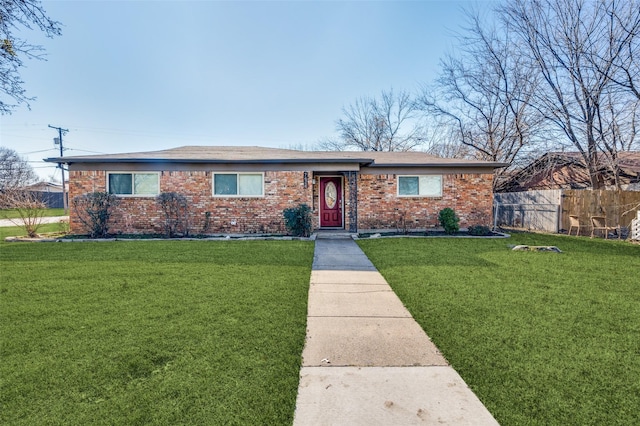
255,154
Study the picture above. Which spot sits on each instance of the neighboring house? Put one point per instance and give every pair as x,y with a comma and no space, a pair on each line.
49,193
45,187
567,170
246,189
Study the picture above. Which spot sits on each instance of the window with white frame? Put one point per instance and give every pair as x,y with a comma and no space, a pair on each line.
134,183
420,186
238,184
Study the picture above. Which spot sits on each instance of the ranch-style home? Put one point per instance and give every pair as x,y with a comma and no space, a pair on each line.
240,190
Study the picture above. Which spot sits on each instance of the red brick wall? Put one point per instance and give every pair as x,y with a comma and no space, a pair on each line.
142,215
470,195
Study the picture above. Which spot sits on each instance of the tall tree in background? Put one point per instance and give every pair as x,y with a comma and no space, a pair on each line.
623,31
386,123
15,174
583,54
484,93
15,16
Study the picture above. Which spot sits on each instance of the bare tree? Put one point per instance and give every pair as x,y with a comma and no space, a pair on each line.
624,45
575,49
15,17
484,94
387,123
441,139
15,177
15,174
29,207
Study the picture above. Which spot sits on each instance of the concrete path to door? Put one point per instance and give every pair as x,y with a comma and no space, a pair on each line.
366,361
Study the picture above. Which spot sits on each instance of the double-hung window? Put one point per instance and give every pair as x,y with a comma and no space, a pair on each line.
133,184
420,186
238,184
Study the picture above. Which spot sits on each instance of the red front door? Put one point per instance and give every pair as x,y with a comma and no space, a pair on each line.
331,202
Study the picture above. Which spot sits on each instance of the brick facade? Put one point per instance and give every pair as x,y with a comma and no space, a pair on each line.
209,215
470,195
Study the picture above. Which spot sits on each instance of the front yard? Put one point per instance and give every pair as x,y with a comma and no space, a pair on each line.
202,332
542,338
150,332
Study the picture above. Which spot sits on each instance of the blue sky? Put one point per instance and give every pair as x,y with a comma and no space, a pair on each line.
130,76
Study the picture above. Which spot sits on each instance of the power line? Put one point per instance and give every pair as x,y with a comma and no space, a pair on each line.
35,152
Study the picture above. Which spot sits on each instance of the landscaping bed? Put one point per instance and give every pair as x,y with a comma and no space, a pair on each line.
431,233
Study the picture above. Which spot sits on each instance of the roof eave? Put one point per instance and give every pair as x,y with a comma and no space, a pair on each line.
459,165
69,160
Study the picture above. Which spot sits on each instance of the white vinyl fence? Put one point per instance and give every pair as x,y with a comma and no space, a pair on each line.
534,210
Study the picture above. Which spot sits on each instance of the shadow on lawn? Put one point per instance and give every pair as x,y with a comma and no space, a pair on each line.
245,253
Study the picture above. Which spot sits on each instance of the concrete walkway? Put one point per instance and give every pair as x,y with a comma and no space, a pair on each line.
366,361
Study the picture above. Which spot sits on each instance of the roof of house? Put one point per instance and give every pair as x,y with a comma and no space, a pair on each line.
45,187
568,170
628,161
255,154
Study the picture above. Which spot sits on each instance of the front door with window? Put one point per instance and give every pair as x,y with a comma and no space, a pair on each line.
331,202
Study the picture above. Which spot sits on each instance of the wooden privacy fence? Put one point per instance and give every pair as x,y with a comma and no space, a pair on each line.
549,210
619,207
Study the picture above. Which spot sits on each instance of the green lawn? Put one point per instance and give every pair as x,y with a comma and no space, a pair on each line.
542,338
13,214
18,231
152,332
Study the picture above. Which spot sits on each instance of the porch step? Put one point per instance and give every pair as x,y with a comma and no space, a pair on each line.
333,235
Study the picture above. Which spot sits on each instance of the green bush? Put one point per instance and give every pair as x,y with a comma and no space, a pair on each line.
479,230
298,220
449,220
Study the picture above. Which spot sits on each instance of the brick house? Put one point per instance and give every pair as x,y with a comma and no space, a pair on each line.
240,190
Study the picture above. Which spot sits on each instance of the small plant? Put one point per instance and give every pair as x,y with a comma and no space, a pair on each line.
176,213
449,220
479,230
94,210
298,220
63,227
401,223
207,222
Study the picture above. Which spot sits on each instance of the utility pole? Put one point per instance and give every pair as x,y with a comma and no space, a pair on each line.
58,141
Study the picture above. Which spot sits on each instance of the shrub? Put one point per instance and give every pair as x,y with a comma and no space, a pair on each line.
298,220
94,210
449,220
29,207
479,230
176,213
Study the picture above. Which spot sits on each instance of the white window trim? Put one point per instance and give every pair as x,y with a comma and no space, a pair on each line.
124,172
418,195
213,185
